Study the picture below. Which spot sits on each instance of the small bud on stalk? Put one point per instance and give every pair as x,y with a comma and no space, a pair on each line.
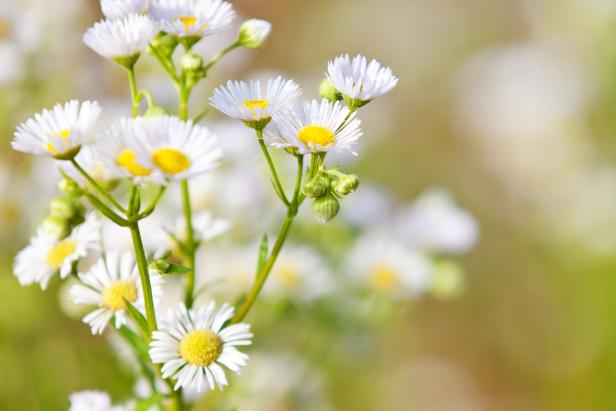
253,33
328,91
326,207
317,186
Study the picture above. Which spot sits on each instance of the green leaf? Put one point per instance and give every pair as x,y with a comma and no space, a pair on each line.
137,316
263,251
176,269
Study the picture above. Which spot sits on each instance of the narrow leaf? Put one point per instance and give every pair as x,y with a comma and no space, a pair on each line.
137,316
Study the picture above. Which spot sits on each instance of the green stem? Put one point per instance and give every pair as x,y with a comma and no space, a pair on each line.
220,55
150,209
272,167
166,63
106,211
190,245
135,97
142,265
97,187
280,240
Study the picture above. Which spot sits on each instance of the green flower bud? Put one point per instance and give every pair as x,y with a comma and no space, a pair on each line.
346,184
160,266
155,111
447,280
69,187
62,207
317,186
254,32
328,91
326,207
192,62
164,44
57,226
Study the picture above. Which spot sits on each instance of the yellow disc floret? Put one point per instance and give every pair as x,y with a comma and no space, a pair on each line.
316,135
116,292
187,21
383,278
253,105
127,160
170,160
59,252
201,347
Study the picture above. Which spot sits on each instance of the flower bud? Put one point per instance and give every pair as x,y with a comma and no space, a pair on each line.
164,44
192,62
328,91
317,186
346,184
326,207
56,226
160,266
62,207
155,111
447,280
254,32
69,187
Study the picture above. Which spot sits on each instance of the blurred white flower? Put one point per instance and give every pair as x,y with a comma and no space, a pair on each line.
382,263
117,9
359,79
47,254
434,223
95,401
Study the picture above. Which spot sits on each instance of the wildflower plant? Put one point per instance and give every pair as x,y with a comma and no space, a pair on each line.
125,170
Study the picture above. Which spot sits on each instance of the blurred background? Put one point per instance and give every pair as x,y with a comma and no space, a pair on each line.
507,105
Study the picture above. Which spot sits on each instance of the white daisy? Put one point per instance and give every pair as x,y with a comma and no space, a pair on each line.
58,132
175,149
193,345
435,223
47,254
205,226
380,262
115,149
359,79
107,284
192,18
121,38
116,9
95,401
315,127
253,104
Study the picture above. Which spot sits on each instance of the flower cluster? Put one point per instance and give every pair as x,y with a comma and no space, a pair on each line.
123,170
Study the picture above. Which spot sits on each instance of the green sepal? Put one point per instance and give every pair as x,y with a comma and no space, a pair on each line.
128,62
137,316
67,155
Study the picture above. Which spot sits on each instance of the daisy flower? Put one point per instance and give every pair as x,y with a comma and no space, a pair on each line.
360,80
95,401
107,284
253,104
315,127
383,264
58,132
117,9
175,149
192,18
123,38
194,345
47,254
114,148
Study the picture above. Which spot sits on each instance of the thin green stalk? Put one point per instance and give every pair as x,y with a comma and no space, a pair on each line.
133,91
190,244
272,167
280,240
166,63
106,211
142,265
220,55
150,209
97,187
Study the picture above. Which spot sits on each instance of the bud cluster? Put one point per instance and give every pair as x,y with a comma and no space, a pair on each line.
66,211
326,189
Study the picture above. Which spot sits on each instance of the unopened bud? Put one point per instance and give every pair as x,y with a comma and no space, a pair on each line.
68,186
447,280
345,184
164,44
328,91
192,62
56,226
160,266
62,207
155,111
326,207
317,186
254,32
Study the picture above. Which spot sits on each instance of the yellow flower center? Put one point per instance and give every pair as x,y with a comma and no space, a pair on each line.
201,347
187,21
116,292
252,105
63,134
59,252
170,160
289,276
383,278
316,135
126,159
